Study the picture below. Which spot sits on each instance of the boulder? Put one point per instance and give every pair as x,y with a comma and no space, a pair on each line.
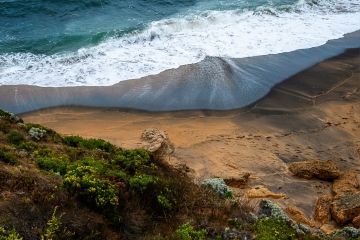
262,192
156,141
317,168
345,207
322,209
347,181
298,216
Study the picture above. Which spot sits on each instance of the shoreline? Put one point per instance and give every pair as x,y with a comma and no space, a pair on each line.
214,83
312,115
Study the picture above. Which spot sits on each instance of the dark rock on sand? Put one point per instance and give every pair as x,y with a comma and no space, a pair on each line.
317,168
345,207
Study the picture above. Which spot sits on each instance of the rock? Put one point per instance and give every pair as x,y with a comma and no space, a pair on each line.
298,216
329,228
157,142
348,181
322,209
183,168
356,221
262,192
317,168
269,209
234,178
345,207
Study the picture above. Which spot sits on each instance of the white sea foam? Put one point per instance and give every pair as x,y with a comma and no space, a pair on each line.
183,40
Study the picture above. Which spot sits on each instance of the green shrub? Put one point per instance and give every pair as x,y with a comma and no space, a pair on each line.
187,232
76,141
132,160
273,229
15,137
29,146
7,157
142,181
86,178
53,164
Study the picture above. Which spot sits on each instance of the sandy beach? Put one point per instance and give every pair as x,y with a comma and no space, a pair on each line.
312,115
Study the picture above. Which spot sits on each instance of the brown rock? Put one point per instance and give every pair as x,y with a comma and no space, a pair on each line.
322,209
157,142
345,207
329,228
234,178
356,221
262,192
317,168
298,216
348,181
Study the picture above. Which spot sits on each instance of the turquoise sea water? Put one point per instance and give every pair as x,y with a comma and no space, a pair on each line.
75,42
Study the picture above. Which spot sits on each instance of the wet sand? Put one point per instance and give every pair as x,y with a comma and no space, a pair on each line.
312,115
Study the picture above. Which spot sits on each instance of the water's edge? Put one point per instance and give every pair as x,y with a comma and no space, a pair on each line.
214,83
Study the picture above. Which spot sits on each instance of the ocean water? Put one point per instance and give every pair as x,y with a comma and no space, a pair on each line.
103,42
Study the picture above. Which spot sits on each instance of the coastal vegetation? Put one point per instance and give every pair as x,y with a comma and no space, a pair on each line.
69,187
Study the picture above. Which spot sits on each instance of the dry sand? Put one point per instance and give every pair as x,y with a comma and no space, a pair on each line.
313,115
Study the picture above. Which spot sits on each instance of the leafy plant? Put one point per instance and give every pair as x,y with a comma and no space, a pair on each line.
37,133
187,232
142,181
15,137
53,228
9,235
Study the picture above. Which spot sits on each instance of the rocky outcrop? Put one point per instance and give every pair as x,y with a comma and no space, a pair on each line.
345,207
262,192
234,178
317,168
356,222
322,209
347,181
298,216
156,141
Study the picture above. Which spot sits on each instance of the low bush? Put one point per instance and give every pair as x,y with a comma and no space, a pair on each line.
132,160
219,186
88,180
53,164
76,141
274,229
37,133
15,137
7,156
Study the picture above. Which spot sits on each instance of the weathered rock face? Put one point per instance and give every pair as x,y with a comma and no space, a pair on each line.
298,216
322,209
356,222
317,168
234,178
157,142
346,206
262,192
347,181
